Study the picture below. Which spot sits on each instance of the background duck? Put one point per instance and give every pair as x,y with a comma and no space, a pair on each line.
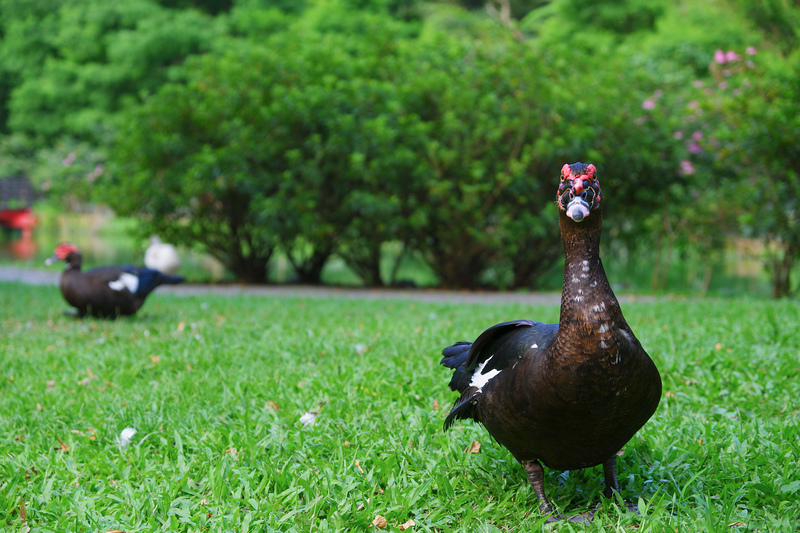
106,291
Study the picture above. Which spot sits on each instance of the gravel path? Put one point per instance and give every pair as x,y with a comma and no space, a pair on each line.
48,277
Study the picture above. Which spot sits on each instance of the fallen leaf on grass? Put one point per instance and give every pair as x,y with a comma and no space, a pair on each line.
435,405
23,514
89,377
181,326
379,522
273,405
115,531
358,465
475,447
155,359
64,447
736,524
409,524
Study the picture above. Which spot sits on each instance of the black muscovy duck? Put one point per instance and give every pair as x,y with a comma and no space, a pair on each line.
106,291
566,395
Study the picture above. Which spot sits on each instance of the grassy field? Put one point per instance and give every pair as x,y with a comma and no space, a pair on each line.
217,389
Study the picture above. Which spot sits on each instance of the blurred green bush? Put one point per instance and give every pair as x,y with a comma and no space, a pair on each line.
373,130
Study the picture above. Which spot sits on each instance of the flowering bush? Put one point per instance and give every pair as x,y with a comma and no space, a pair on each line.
748,111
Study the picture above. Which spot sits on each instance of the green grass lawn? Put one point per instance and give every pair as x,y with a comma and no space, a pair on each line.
216,388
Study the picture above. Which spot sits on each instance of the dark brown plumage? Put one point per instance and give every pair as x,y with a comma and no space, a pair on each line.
107,291
566,395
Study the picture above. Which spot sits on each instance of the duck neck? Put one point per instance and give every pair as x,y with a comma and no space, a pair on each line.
73,261
590,311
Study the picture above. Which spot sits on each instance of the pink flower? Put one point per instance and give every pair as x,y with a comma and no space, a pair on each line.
751,50
67,161
696,136
694,148
693,104
723,85
94,174
687,168
698,84
719,57
678,135
649,104
731,56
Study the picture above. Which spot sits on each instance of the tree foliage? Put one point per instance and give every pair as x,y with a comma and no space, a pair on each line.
345,127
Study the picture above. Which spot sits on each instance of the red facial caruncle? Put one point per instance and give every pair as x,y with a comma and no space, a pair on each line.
64,249
579,190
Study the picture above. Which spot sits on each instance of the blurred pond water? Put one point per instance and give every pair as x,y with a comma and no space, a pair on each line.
103,240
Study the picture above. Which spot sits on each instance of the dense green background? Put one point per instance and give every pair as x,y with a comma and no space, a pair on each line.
376,130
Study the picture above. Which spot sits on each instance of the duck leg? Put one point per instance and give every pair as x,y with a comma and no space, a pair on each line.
535,473
536,477
610,474
612,484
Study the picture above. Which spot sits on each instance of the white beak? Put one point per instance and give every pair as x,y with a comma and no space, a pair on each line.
577,209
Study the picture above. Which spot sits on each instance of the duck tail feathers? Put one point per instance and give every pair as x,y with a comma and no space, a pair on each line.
463,408
150,278
455,356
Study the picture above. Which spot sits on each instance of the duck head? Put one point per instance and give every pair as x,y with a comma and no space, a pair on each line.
63,252
579,191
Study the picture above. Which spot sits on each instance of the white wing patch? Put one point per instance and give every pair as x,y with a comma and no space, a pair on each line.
125,281
479,379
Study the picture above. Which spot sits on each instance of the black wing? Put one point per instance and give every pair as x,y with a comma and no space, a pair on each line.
495,349
505,342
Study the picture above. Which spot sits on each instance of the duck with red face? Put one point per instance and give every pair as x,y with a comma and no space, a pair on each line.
567,395
579,191
106,291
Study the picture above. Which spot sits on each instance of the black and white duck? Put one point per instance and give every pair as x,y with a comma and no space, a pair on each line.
106,291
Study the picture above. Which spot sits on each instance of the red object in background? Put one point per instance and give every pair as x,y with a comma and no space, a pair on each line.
22,249
23,219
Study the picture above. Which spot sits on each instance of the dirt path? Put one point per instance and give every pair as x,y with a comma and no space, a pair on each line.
47,277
